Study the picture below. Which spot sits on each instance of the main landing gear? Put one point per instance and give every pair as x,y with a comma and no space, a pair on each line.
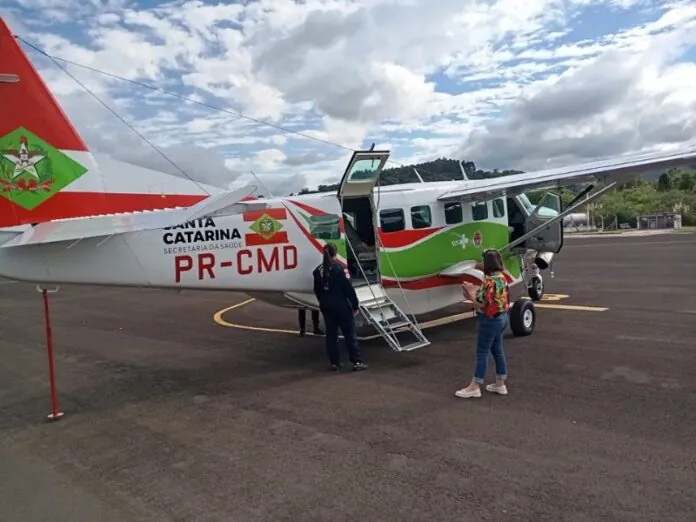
522,317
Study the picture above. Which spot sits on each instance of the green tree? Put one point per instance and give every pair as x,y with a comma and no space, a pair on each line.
687,182
664,183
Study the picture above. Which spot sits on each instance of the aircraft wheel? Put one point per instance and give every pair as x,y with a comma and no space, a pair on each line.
536,291
522,317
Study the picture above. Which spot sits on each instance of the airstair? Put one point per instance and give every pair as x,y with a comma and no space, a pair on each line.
376,307
380,312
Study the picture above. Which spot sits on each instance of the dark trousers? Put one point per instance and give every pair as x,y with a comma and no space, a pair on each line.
302,317
344,320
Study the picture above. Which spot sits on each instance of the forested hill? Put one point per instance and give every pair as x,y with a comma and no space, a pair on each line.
441,169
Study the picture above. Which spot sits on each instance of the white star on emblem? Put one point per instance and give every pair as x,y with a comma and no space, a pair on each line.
24,161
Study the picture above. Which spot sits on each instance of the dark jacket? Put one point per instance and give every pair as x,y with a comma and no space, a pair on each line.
338,291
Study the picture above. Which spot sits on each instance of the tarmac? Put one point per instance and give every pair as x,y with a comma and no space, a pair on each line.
172,416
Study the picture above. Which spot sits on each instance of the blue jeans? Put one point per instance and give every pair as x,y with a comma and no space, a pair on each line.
490,339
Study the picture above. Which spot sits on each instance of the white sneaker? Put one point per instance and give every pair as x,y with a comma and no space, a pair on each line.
494,388
465,394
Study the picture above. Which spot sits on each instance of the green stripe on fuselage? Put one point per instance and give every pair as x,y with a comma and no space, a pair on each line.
445,248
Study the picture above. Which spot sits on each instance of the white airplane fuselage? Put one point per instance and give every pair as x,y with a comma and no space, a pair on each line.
271,252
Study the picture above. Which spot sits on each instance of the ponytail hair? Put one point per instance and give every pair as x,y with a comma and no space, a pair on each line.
329,253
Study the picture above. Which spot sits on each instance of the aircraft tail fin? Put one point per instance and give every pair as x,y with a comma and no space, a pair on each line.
46,169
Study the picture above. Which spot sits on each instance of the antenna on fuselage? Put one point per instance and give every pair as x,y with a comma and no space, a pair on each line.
262,184
418,174
372,147
461,167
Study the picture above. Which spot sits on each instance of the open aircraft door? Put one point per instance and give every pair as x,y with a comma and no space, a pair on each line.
549,238
363,251
359,215
544,226
362,173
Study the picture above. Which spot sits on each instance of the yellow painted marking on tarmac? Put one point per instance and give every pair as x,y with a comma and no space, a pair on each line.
559,297
554,297
222,322
578,308
219,320
218,317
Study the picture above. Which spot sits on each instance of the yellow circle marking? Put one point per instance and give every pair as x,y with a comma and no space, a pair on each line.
219,320
218,317
222,322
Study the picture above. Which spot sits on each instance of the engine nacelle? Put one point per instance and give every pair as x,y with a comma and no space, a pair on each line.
543,260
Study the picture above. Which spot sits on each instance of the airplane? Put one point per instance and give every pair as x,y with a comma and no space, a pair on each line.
67,218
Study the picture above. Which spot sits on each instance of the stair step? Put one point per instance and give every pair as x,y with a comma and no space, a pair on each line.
414,346
375,302
399,324
388,319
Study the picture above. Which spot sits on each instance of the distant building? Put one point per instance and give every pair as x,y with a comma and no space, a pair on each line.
660,220
576,220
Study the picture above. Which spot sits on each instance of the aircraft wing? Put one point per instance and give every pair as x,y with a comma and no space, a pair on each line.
75,229
620,169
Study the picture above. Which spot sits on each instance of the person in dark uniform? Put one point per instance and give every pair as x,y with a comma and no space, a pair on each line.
302,318
339,306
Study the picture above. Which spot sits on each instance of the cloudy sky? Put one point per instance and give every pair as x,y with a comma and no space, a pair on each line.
507,84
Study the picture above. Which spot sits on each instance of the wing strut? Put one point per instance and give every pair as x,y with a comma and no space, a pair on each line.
584,191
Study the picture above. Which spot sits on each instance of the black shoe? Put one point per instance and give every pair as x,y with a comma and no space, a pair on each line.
302,333
334,368
357,367
318,331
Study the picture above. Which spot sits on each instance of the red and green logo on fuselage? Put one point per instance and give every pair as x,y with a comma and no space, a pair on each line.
32,171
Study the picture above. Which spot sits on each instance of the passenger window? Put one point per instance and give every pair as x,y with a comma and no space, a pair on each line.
453,213
392,220
421,217
479,211
325,226
498,208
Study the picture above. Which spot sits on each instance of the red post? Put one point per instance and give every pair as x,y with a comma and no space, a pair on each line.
55,415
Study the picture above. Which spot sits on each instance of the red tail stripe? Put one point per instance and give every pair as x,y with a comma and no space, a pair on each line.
71,204
310,210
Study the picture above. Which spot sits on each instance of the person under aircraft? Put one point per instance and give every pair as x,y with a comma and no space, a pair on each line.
302,319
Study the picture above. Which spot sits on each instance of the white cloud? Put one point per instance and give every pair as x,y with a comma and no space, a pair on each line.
505,83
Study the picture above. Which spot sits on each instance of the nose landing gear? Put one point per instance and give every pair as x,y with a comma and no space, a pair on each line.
536,288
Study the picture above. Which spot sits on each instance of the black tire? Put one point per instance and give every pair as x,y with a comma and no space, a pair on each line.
522,317
536,291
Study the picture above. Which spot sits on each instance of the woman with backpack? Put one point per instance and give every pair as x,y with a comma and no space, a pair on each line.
492,303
